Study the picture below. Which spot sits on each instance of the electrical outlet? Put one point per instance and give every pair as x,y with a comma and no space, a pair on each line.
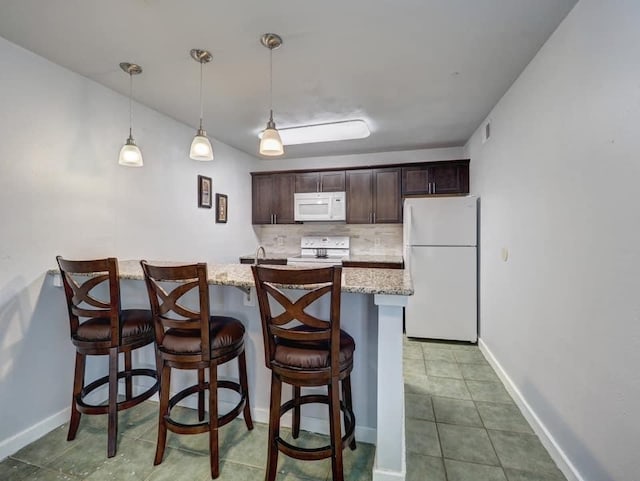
376,242
249,298
280,241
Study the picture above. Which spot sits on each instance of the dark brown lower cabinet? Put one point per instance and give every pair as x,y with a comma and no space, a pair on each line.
267,261
373,265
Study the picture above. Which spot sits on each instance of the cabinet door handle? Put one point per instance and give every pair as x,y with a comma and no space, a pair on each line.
275,218
374,217
319,185
434,187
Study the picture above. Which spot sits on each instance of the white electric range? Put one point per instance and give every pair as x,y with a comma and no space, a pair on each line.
324,250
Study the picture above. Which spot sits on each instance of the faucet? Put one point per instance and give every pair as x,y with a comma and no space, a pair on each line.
264,254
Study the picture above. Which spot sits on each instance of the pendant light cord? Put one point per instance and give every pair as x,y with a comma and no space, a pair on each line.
201,105
130,105
271,83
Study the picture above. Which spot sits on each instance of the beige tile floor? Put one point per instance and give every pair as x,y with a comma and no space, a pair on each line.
461,426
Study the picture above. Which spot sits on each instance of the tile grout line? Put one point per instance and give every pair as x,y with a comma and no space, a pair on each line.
486,431
444,465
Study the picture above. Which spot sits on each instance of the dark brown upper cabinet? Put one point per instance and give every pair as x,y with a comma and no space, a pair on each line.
373,196
451,177
329,181
272,198
359,188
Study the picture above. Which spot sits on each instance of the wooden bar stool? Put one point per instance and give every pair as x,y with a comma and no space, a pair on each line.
106,330
193,339
309,352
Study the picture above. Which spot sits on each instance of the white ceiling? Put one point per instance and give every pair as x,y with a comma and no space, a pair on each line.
422,73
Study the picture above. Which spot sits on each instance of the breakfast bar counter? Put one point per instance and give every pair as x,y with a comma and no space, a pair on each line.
371,311
395,282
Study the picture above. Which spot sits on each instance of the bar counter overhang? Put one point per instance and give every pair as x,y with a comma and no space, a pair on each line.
378,387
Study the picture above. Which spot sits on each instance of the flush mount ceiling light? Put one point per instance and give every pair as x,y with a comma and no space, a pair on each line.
130,154
270,142
329,132
201,146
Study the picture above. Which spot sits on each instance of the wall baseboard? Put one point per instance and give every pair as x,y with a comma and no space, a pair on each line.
18,441
381,475
548,441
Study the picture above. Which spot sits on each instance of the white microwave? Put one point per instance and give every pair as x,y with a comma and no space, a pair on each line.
319,206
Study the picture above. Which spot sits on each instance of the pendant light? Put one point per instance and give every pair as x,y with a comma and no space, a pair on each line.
130,154
270,143
201,146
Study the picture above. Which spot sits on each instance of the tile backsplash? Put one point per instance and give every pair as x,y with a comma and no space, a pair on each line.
366,239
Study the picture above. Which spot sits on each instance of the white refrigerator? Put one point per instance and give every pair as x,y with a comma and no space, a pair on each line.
440,248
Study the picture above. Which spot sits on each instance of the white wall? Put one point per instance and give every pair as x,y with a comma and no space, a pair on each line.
354,160
62,192
558,183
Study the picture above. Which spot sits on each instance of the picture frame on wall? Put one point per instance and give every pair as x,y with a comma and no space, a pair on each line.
221,208
205,187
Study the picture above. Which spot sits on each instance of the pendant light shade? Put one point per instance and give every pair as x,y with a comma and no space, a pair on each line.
130,154
201,145
270,143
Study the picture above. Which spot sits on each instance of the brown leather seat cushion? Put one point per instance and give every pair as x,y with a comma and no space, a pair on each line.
312,354
225,332
135,323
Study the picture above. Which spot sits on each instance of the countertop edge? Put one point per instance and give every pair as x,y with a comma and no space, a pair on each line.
356,280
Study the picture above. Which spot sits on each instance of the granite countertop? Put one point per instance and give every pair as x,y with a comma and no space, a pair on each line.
354,279
352,258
